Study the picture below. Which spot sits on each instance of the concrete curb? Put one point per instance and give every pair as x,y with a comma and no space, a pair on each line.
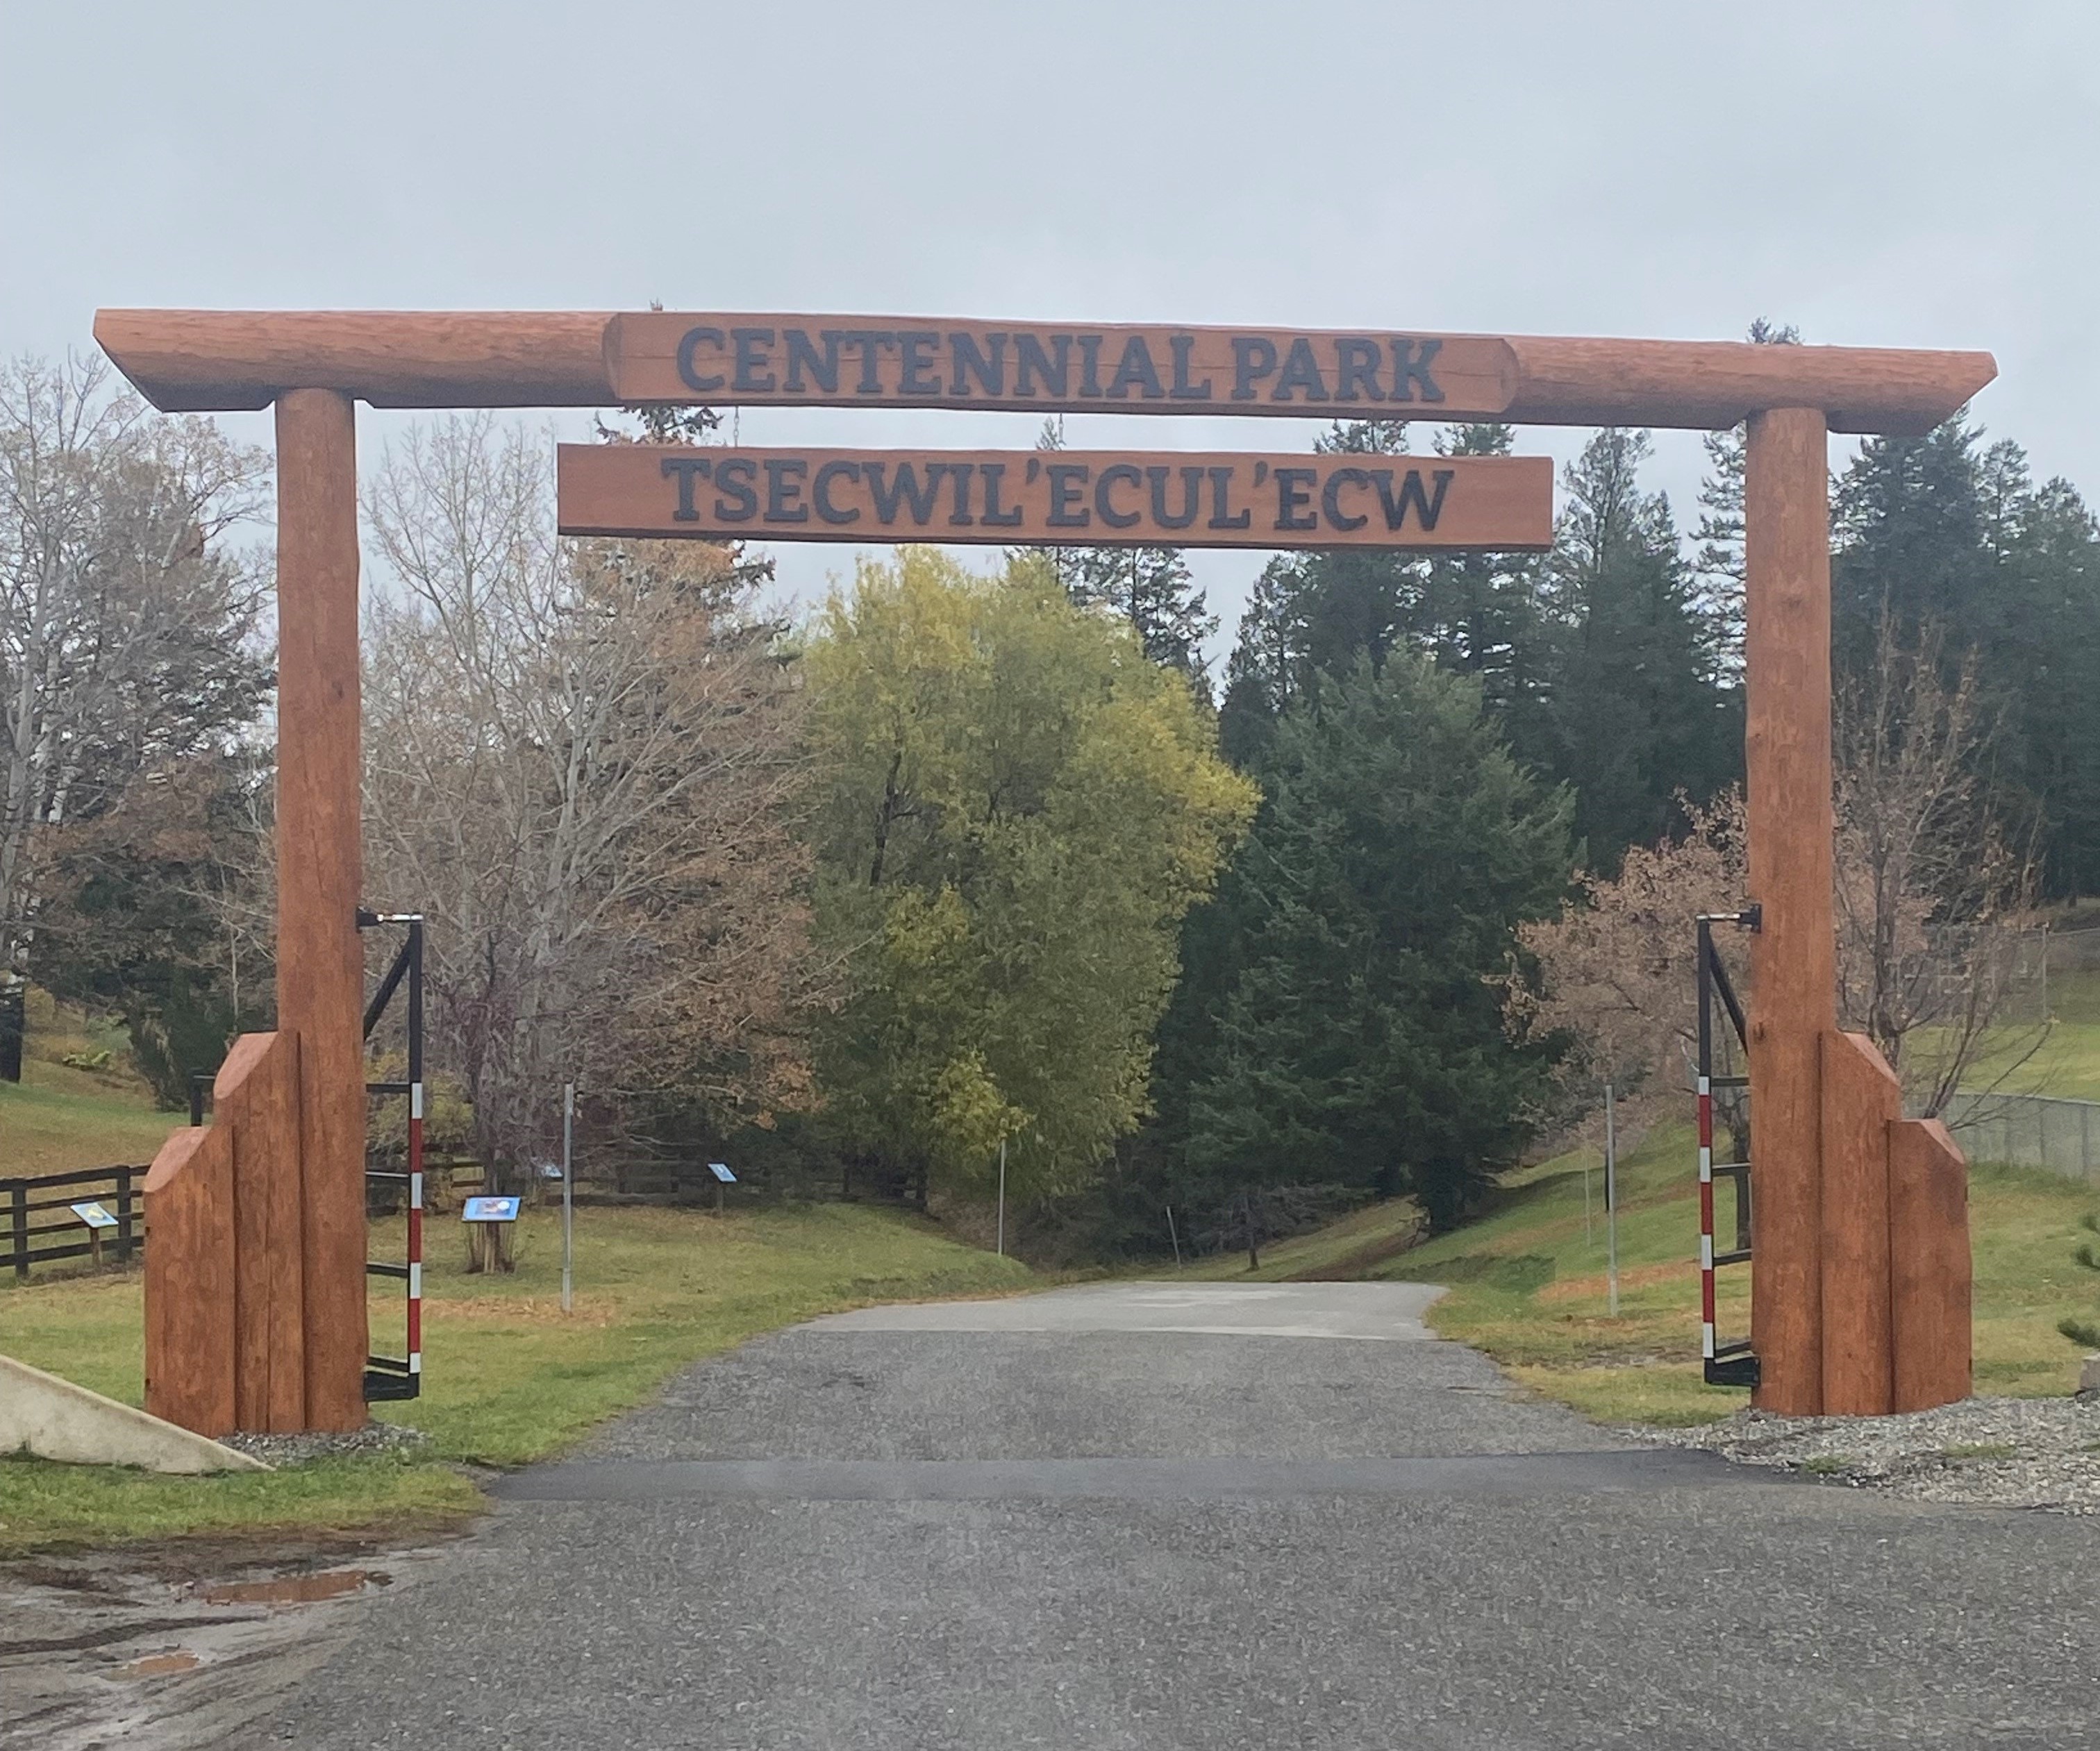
55,1420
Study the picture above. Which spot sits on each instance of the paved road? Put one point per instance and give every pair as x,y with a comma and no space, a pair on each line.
1146,1518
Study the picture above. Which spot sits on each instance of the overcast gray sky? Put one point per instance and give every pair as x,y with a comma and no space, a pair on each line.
1922,174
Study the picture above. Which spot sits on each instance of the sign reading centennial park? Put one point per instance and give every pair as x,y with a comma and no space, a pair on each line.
1084,498
890,361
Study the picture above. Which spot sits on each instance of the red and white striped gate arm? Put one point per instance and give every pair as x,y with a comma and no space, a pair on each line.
1705,1217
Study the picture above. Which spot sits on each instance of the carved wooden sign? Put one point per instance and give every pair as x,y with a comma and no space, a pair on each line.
890,361
1053,497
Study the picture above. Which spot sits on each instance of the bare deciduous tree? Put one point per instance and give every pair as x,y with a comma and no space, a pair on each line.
1930,898
581,765
1932,892
127,623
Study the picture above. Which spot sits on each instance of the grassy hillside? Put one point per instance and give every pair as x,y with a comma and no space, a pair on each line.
1528,1285
93,1112
2067,1063
508,1377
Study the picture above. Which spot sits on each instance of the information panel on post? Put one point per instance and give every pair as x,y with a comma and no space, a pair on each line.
1049,497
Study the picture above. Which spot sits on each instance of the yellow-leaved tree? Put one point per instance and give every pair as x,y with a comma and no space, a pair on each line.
1015,809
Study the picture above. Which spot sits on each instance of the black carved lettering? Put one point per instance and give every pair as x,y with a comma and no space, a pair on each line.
820,493
1192,487
685,470
1410,369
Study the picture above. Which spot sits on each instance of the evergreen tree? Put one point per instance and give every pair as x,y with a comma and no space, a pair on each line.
1150,588
1361,1041
1475,614
1480,614
2035,628
1719,532
1639,710
1907,529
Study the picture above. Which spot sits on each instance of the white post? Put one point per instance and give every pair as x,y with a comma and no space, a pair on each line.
1612,1200
568,1201
1002,1197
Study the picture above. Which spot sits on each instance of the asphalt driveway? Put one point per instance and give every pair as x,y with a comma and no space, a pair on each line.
1162,1516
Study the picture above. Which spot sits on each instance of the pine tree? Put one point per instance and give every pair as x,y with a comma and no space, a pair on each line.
1311,611
1907,527
1398,847
2037,634
1151,589
1480,614
1719,532
1639,711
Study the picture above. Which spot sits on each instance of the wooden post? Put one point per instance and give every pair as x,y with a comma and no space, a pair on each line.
320,978
1786,519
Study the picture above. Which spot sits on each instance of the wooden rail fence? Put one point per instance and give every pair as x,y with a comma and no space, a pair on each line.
41,1228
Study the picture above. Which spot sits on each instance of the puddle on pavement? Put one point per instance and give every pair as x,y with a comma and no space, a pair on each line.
158,1666
295,1590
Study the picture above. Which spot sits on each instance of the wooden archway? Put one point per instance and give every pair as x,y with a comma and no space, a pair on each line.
1859,1275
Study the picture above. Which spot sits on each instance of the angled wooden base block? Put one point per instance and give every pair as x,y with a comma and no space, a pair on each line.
189,1283
1861,1099
256,1100
1930,1268
225,1314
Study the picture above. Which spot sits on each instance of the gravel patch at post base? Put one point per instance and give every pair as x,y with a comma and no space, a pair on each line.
298,1449
2005,1452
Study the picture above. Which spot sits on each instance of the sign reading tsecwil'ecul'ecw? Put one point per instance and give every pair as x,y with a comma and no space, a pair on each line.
1056,497
890,361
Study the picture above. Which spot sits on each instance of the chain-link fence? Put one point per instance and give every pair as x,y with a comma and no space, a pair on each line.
2029,1130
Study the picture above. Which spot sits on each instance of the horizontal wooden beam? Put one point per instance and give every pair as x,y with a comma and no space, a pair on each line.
1085,498
207,360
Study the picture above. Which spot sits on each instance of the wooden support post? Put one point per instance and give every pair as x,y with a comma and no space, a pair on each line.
1930,1268
320,979
1861,1100
1786,518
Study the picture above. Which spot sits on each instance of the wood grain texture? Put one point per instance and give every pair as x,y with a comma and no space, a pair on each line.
202,360
1861,1099
1717,384
320,970
210,360
1793,956
190,1282
1930,1267
255,1099
1092,498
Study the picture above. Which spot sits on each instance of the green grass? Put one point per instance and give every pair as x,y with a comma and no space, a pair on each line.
507,1378
1527,1282
2067,1063
60,1117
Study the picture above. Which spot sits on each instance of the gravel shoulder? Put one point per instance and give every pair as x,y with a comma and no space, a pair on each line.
2005,1452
